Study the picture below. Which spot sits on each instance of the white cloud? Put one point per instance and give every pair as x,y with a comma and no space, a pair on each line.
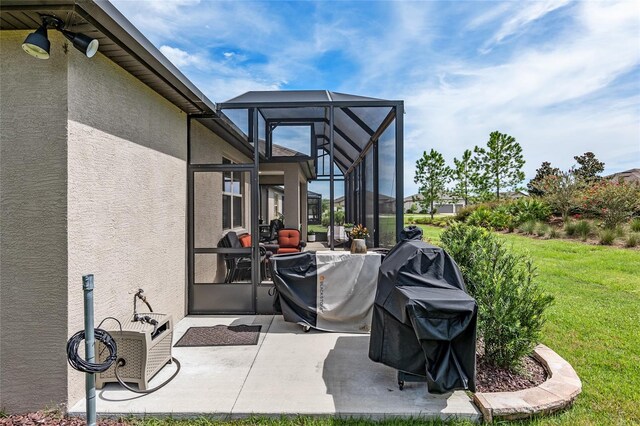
182,59
526,12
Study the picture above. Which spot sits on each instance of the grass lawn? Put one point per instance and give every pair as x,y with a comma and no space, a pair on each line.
593,324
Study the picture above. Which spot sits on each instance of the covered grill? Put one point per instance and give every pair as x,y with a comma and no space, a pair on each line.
424,322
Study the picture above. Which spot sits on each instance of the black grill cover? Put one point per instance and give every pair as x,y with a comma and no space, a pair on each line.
424,322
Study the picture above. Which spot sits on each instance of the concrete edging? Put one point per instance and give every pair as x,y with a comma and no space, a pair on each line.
557,392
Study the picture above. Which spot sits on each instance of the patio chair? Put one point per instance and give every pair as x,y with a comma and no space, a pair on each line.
274,226
239,265
289,241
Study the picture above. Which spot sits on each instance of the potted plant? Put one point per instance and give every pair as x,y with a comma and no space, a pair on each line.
359,234
348,227
311,235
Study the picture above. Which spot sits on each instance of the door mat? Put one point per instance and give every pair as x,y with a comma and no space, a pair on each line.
221,335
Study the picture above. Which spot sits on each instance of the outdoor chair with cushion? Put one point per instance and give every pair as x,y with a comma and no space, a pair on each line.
289,241
239,265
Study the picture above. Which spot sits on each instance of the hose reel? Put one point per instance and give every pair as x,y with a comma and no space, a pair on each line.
137,350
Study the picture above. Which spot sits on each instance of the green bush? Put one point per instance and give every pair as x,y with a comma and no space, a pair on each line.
635,224
528,227
570,229
511,305
583,229
632,240
465,212
607,237
479,217
528,208
614,202
338,218
542,229
554,232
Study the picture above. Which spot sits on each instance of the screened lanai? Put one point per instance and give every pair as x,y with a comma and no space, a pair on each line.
350,145
353,141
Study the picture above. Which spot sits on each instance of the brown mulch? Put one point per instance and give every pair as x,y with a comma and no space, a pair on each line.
490,378
46,418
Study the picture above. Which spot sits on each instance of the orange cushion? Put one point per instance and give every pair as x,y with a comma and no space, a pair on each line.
245,240
287,250
289,238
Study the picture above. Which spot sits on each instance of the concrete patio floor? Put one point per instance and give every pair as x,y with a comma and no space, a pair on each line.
288,372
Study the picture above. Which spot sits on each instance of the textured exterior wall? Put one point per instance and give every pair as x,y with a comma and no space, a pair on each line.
33,211
126,197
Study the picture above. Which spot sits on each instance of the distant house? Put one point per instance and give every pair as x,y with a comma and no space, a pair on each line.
629,176
514,195
447,206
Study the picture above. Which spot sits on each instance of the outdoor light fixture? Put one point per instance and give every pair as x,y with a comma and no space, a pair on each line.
37,43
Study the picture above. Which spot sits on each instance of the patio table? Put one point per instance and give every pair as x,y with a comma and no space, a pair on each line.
327,290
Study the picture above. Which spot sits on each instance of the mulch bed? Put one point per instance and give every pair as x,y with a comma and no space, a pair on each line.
490,378
47,418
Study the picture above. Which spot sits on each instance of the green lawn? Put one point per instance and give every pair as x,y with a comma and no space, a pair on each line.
593,324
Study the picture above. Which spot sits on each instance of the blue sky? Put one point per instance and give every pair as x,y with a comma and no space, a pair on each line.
561,77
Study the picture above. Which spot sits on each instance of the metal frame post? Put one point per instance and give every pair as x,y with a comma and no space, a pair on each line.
255,206
399,169
89,348
331,189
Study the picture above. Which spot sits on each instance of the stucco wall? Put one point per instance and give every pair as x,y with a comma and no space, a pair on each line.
126,195
33,211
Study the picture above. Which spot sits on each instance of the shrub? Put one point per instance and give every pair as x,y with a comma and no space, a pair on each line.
525,209
635,224
542,229
465,212
561,192
338,218
607,237
632,240
554,232
570,229
510,302
583,229
480,217
528,227
614,202
500,219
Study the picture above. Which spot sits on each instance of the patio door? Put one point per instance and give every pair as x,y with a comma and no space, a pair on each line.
223,267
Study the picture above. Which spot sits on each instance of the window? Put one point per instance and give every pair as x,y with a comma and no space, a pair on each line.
232,200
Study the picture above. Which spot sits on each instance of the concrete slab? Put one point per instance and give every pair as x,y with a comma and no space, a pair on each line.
209,381
289,372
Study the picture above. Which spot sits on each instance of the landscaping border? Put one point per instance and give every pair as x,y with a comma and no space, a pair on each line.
557,392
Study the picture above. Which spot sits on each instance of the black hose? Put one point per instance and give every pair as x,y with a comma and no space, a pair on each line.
76,361
121,363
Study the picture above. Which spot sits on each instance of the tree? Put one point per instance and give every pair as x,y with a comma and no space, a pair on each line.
464,173
500,164
432,174
588,167
561,191
614,201
545,170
